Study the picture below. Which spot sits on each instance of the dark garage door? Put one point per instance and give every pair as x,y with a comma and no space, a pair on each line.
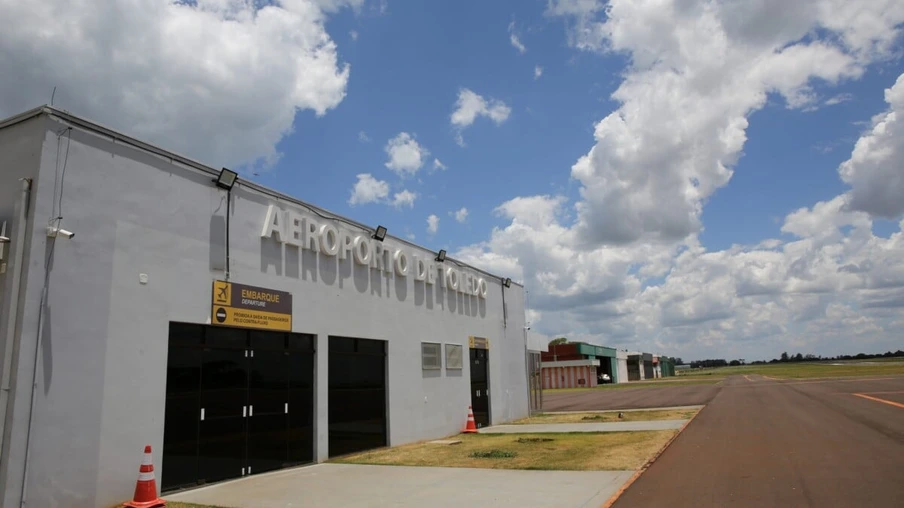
357,395
237,402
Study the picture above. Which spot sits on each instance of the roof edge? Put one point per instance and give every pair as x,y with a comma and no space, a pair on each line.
24,116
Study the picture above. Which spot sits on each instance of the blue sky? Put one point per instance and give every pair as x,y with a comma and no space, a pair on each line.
407,69
696,178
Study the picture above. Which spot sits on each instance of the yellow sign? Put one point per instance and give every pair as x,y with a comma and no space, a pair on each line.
250,307
478,343
222,293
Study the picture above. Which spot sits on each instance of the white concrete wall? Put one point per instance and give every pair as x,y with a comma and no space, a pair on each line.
21,148
102,360
622,370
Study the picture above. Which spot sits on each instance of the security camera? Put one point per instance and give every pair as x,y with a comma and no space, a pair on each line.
4,239
53,232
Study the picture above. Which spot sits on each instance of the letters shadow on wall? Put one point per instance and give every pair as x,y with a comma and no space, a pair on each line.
450,297
401,287
439,294
328,266
308,264
271,255
376,282
300,263
362,276
293,264
345,269
422,296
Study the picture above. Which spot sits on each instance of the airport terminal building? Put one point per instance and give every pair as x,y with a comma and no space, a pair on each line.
146,298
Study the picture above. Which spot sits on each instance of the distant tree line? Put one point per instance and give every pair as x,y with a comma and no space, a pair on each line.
786,358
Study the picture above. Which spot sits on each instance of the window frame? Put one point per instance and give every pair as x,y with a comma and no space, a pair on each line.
447,348
438,355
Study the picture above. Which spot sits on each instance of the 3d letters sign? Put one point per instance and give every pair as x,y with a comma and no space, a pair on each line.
326,239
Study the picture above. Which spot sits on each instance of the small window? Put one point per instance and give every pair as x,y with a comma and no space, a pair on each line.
453,356
430,356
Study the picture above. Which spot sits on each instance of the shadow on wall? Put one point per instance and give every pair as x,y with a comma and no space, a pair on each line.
46,329
290,261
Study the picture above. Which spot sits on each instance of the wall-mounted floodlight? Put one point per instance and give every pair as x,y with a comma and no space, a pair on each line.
226,179
441,256
379,234
507,282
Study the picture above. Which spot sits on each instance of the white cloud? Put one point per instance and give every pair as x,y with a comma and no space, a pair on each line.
875,170
227,101
461,215
368,190
538,71
838,99
354,35
471,106
403,199
515,40
432,224
623,265
363,137
325,5
406,156
438,165
696,76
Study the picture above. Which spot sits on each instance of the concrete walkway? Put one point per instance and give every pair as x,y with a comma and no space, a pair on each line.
359,486
584,427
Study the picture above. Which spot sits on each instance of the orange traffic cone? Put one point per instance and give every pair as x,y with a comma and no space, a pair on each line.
471,427
146,488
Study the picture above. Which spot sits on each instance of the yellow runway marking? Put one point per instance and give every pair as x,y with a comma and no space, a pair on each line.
877,399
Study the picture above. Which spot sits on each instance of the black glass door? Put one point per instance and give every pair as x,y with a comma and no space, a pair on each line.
238,402
301,399
480,396
357,391
224,405
268,397
183,403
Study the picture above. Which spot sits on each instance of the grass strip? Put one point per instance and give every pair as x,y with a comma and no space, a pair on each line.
608,416
578,451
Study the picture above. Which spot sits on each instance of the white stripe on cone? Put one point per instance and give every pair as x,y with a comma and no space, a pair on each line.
145,477
147,460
